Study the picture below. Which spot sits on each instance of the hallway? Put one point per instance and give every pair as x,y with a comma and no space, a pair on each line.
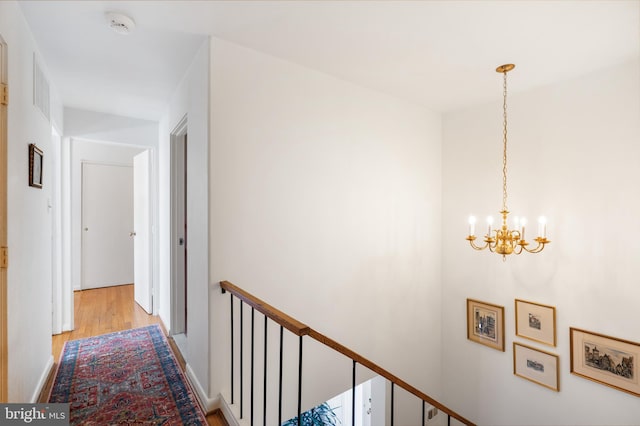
103,310
106,310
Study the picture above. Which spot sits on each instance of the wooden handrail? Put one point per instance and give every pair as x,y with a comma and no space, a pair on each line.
384,373
291,324
300,329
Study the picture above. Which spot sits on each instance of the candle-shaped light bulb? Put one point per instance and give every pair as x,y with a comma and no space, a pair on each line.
542,227
523,223
489,222
472,225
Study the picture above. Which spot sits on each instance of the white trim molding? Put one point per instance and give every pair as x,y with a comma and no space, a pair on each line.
42,381
207,404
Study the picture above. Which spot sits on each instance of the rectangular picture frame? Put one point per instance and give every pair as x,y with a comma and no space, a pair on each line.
535,321
537,366
606,360
36,158
485,324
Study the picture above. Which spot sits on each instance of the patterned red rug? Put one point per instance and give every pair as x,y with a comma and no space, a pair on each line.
128,377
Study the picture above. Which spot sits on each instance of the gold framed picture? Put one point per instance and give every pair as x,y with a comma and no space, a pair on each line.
536,322
607,360
485,324
536,366
35,166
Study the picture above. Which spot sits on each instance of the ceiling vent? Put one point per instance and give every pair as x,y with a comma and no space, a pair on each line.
120,23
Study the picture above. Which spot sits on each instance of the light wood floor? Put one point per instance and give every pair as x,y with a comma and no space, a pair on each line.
105,310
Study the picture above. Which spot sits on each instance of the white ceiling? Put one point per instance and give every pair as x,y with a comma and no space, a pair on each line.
441,54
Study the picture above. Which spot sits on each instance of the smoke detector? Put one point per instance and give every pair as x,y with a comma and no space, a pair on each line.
120,23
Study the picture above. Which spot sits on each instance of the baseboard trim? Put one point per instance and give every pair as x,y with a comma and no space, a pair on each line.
42,381
207,404
227,412
66,327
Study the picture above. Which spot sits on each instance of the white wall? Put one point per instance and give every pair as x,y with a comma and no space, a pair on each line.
29,219
99,126
190,98
325,202
573,156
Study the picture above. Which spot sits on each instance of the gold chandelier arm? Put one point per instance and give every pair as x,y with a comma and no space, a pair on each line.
488,241
537,249
518,248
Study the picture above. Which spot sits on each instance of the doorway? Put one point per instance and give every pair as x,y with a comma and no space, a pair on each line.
117,246
76,154
179,242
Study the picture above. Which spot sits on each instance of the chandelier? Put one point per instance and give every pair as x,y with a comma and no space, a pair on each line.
503,240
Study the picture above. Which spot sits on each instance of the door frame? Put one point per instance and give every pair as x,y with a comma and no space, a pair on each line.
176,136
57,297
4,393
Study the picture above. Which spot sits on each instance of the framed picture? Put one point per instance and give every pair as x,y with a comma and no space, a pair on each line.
35,166
536,322
537,366
607,360
485,324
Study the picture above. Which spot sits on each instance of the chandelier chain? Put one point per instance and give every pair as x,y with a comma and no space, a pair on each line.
504,141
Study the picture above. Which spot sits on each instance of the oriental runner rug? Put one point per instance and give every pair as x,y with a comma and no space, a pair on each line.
129,377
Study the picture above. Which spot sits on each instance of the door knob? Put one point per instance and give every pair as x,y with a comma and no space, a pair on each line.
132,234
181,241
86,229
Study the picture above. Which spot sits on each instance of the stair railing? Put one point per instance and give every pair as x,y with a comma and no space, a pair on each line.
299,329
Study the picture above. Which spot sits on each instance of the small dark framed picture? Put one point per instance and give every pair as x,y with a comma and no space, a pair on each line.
485,324
35,166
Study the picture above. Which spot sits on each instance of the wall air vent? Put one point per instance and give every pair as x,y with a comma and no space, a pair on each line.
40,89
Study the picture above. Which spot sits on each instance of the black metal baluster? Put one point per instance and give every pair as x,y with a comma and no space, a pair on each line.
448,419
241,361
300,383
353,395
280,382
422,412
253,311
264,391
392,391
231,298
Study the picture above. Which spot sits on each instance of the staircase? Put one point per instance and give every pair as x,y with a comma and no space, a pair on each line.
275,389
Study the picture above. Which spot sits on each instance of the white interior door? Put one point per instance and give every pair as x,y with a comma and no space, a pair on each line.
107,221
142,231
